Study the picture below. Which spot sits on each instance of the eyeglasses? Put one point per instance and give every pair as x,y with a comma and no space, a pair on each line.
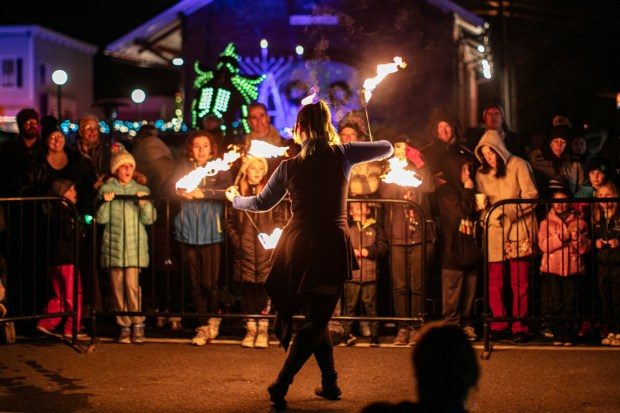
31,122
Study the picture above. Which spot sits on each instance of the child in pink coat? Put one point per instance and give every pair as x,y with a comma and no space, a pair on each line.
563,239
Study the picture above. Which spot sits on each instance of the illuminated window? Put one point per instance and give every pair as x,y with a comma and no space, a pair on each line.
11,75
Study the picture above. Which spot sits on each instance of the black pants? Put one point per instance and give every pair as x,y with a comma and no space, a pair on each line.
202,263
254,298
609,284
312,338
563,302
408,280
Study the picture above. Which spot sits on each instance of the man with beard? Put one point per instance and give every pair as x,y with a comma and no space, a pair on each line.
17,154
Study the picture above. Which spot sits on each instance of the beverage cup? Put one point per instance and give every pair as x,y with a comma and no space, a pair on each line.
481,202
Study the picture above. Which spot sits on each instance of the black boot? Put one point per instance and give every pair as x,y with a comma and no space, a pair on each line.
277,391
329,388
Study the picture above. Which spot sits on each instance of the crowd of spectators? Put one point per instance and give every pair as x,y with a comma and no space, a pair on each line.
462,174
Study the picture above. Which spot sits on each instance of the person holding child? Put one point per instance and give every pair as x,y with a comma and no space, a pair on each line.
563,239
369,245
124,248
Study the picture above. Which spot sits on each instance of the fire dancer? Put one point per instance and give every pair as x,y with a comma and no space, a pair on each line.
314,256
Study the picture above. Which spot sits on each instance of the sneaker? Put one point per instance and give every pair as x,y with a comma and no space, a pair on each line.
547,333
176,325
161,322
402,337
607,340
374,341
470,333
350,340
138,334
413,337
125,336
202,336
615,342
80,335
47,332
214,327
365,329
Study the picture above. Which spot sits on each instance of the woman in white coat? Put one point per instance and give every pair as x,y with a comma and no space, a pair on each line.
512,228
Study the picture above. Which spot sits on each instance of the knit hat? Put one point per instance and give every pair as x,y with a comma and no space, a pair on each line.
24,115
49,125
60,186
561,131
120,156
598,164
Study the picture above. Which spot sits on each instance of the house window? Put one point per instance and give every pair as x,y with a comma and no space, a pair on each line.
11,72
43,77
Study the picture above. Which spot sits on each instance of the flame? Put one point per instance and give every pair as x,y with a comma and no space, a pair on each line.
314,91
382,71
265,150
269,242
399,175
191,181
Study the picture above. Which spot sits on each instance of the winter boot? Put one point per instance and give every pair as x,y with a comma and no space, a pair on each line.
250,334
202,336
214,327
262,337
329,387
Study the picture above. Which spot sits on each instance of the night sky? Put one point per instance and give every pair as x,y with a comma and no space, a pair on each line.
565,53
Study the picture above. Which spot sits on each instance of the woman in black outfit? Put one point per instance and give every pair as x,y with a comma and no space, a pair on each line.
314,255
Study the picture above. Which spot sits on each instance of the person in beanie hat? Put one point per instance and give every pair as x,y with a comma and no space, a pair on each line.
598,173
125,242
552,161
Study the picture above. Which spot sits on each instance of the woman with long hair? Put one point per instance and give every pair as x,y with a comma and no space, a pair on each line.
314,256
505,176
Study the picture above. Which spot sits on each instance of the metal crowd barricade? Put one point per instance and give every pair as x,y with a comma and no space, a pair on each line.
28,226
538,289
165,282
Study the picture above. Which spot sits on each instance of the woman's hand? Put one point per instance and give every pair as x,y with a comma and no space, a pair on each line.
600,243
231,193
613,243
108,196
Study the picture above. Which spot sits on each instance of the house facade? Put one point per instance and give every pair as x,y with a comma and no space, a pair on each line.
28,57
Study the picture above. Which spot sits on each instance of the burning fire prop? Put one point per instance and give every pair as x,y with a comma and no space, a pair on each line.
399,175
370,84
382,71
191,181
269,242
263,149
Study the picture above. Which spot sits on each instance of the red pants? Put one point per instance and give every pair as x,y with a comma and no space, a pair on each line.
519,271
61,278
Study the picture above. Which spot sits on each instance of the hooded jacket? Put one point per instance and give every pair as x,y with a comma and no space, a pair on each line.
125,241
560,256
371,236
509,222
455,202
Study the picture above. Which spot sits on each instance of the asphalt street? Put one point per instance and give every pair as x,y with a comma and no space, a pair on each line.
171,375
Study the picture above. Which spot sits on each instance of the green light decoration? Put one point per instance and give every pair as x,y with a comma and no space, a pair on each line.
224,92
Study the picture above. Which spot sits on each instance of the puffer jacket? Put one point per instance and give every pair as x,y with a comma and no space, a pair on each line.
252,261
200,221
571,172
511,221
560,255
371,236
125,241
